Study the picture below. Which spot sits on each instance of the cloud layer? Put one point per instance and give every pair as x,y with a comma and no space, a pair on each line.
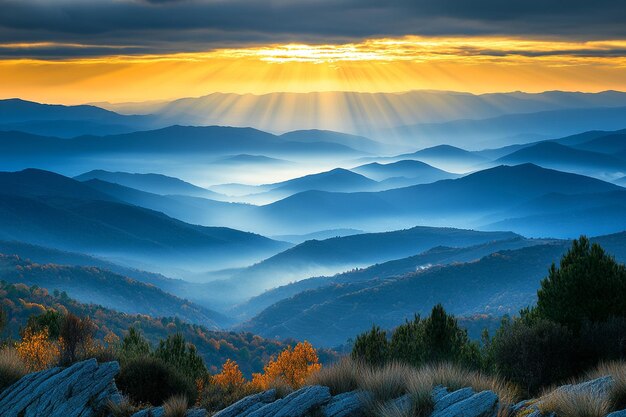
77,28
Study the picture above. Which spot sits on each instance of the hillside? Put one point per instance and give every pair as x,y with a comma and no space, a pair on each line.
499,283
337,179
446,157
360,143
329,256
251,352
99,286
440,255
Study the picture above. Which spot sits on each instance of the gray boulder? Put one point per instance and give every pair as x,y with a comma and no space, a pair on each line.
621,413
248,404
453,398
81,390
296,404
483,404
599,387
348,404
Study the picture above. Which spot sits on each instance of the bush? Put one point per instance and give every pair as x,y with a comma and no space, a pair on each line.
150,380
182,356
76,338
371,347
534,354
12,367
436,339
588,285
37,350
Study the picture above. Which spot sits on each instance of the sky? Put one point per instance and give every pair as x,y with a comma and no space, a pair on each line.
77,51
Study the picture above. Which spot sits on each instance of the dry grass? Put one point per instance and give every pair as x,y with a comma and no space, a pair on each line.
567,404
12,367
124,408
387,382
454,377
396,379
343,376
176,406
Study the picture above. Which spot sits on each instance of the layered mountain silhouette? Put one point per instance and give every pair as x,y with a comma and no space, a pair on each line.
48,209
67,121
403,173
152,183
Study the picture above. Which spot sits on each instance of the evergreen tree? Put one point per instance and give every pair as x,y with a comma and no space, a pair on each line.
588,285
371,347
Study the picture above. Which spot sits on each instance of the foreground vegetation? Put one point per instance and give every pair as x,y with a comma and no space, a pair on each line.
576,330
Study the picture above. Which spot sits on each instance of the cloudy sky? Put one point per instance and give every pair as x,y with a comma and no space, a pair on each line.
133,50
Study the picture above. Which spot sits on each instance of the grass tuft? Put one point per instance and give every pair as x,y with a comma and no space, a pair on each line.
343,376
568,404
125,408
175,406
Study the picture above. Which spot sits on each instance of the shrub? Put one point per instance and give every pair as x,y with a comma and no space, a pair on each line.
51,320
214,397
37,350
150,380
587,286
76,338
534,354
12,367
175,406
293,366
371,347
182,356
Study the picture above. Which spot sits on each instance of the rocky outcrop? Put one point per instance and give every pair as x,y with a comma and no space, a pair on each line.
297,404
247,405
465,403
349,404
160,412
81,390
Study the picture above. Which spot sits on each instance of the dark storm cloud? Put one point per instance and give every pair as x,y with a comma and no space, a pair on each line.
161,26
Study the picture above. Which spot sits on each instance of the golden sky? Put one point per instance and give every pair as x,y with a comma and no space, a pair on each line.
469,64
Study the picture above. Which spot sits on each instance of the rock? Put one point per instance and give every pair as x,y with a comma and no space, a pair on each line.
348,404
599,387
483,404
160,412
439,392
452,398
621,413
241,407
296,404
81,390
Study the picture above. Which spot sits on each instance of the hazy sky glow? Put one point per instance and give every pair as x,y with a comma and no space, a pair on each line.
73,51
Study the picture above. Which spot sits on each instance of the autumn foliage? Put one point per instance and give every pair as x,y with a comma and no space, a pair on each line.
37,350
292,366
230,376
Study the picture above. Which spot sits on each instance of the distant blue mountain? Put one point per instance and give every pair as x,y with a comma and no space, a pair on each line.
511,129
173,140
47,209
152,183
554,155
404,169
67,121
360,143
